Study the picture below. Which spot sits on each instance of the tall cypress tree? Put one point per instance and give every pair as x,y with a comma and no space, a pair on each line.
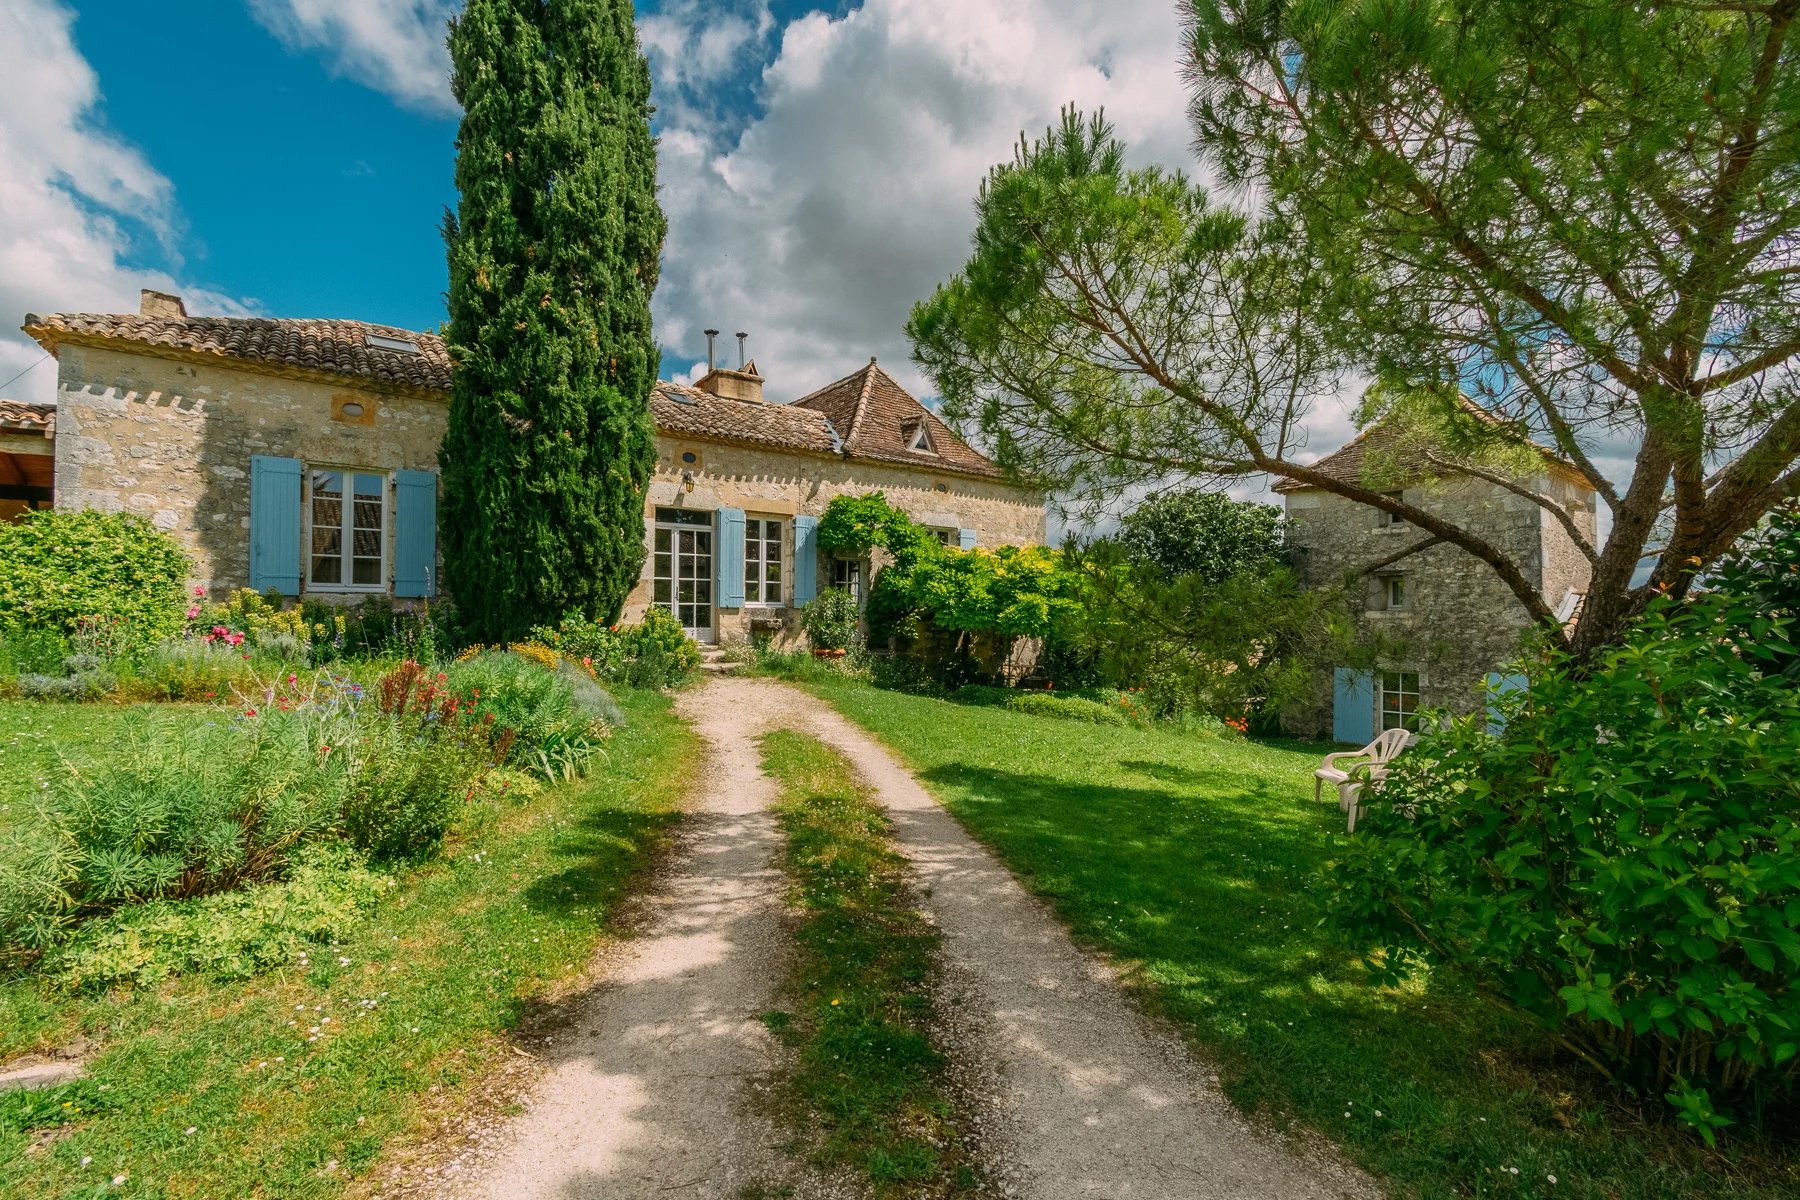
553,253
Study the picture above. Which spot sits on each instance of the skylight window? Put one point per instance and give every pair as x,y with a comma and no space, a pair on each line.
918,438
380,341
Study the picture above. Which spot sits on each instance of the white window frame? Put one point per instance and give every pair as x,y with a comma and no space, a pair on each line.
1393,520
854,569
347,531
918,438
1405,718
759,563
1390,585
945,535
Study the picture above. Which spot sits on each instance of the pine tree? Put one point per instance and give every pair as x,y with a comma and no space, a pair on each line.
553,255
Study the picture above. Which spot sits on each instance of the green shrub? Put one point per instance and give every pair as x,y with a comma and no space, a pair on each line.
174,813
1041,704
831,620
32,651
591,642
658,651
232,936
1622,862
58,567
407,786
531,708
192,669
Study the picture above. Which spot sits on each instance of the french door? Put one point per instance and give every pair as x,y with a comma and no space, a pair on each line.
682,573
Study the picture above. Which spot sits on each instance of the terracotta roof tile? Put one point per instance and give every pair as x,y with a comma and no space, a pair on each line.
337,348
24,416
876,417
680,409
865,415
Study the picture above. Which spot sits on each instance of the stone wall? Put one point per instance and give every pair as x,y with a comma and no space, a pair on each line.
172,439
1459,620
773,483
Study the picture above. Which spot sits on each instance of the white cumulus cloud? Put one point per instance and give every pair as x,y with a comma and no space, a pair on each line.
392,46
76,201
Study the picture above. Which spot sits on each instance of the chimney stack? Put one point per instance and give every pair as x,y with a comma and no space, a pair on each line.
152,303
743,383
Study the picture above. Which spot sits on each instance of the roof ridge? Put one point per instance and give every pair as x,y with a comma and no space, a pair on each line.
862,403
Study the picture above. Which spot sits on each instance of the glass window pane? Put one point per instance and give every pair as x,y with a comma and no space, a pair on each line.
367,485
660,591
366,571
328,569
367,543
327,483
368,514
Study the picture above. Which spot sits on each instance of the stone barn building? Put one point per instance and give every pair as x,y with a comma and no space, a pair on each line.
300,456
1449,618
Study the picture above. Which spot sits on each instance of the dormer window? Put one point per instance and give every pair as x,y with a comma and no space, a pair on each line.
918,437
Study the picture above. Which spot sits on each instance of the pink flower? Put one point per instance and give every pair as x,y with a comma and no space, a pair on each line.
220,631
193,611
293,679
199,591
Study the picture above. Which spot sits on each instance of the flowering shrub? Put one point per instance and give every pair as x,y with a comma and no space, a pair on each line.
658,652
59,567
1622,861
533,710
597,645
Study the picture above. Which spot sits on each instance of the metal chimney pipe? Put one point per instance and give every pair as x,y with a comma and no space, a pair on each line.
741,359
710,335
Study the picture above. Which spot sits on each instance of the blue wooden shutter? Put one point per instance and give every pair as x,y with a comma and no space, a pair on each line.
806,560
275,524
1499,685
415,533
965,538
728,557
1353,706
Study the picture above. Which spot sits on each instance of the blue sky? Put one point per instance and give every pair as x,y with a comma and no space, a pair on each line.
303,189
818,162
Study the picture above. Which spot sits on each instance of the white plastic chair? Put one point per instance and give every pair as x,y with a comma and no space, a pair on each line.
1375,756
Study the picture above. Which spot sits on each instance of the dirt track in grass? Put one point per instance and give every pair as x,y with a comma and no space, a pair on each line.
655,1090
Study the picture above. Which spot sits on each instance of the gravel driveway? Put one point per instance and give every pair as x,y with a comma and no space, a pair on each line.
1081,1095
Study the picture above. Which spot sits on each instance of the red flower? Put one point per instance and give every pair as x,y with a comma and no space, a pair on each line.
249,712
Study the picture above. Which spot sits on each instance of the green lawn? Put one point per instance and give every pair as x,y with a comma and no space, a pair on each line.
214,1090
1198,863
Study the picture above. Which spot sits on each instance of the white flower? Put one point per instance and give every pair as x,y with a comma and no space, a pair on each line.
118,1180
1378,1112
280,1058
190,1131
1551,1178
86,1159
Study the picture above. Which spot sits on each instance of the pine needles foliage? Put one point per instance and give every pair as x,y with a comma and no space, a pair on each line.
553,255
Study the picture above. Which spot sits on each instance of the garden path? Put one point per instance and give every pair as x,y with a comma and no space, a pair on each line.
1079,1093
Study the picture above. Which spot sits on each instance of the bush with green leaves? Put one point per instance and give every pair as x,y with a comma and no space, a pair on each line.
59,567
1203,534
658,652
1042,704
175,812
408,785
831,620
1621,861
192,669
537,719
595,643
231,936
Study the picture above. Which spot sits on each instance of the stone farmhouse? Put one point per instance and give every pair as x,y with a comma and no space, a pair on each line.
301,456
1450,619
